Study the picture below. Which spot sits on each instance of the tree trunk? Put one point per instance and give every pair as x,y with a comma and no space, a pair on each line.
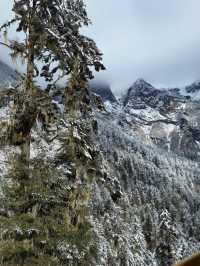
29,92
30,65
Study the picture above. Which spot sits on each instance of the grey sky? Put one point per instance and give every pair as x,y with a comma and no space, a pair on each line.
158,40
5,13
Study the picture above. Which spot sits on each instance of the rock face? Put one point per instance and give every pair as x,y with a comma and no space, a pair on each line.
143,95
128,174
104,91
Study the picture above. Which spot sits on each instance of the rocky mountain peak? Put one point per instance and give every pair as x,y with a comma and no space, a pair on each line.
142,86
104,91
141,83
167,118
139,89
194,87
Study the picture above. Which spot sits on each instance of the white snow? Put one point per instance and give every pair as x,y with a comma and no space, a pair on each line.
147,114
108,106
169,128
59,106
195,96
4,113
147,130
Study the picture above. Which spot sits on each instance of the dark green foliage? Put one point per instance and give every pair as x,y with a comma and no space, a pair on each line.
41,214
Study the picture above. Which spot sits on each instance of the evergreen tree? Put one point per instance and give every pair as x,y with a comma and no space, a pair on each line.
43,217
52,30
166,244
52,36
44,213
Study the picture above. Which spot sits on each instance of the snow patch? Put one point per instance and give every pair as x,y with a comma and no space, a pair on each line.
4,113
195,96
147,114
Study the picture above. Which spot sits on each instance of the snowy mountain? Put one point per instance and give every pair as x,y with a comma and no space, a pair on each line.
8,76
125,176
167,118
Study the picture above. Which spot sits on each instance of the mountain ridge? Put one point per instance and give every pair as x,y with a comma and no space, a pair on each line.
168,118
8,76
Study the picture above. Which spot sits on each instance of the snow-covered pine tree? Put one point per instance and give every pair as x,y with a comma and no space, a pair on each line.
44,214
165,250
52,36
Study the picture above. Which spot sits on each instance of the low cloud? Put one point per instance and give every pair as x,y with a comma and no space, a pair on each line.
156,39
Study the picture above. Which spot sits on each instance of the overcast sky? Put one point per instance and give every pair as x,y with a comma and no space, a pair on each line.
158,40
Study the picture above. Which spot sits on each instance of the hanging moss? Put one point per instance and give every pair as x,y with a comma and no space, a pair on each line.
45,213
42,210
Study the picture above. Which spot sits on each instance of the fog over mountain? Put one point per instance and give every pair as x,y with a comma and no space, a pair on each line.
156,40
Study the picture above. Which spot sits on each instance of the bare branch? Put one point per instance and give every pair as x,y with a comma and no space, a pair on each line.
8,24
6,45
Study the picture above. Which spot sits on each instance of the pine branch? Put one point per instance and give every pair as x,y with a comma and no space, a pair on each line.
6,45
8,24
